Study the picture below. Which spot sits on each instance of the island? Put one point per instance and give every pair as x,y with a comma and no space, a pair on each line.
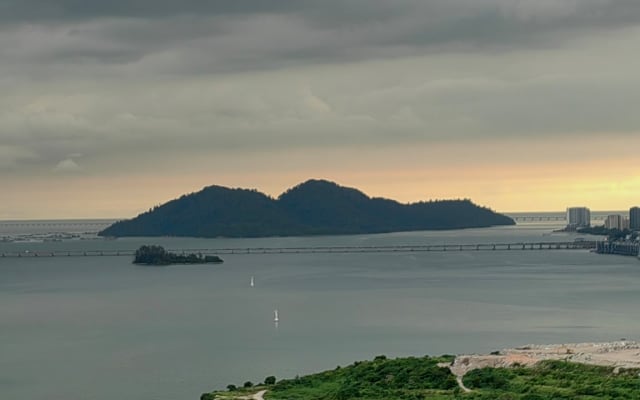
587,371
315,207
157,255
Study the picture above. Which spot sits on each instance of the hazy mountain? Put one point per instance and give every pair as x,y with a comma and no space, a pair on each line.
311,208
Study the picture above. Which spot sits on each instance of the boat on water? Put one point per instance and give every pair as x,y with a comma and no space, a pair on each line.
275,316
252,283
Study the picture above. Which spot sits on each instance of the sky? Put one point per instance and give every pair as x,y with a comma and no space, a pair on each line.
108,108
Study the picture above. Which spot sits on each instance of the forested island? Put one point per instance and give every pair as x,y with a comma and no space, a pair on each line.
157,255
315,207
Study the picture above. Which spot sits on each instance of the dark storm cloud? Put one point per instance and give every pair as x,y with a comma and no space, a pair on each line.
327,12
102,77
221,36
69,10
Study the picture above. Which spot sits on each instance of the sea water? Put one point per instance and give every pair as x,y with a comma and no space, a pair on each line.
102,328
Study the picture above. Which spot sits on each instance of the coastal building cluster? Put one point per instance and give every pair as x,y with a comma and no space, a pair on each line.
580,217
623,233
616,221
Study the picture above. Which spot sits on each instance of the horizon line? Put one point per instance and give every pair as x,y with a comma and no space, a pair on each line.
124,218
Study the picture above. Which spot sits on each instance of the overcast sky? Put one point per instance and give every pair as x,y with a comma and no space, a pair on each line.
110,107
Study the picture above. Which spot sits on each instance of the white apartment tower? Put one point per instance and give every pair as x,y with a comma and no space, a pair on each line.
616,222
578,217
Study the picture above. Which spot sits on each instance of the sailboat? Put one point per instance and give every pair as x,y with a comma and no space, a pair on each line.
252,284
275,316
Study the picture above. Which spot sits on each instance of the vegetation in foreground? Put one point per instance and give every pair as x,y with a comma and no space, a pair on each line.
157,255
422,378
553,380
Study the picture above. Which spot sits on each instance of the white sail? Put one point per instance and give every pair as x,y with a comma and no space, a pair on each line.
275,316
252,284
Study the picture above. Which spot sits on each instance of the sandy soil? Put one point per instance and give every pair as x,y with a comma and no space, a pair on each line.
620,354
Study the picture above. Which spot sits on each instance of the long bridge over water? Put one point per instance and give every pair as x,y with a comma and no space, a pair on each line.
549,218
546,246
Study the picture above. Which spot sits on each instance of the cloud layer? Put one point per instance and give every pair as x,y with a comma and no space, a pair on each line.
126,83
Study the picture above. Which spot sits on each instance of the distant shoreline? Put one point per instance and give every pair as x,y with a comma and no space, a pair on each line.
597,215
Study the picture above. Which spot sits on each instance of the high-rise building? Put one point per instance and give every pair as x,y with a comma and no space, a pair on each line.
634,218
616,221
578,217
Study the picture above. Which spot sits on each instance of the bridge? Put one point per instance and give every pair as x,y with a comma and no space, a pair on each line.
576,245
57,223
533,218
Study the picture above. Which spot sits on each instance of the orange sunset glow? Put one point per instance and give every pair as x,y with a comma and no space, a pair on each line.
514,176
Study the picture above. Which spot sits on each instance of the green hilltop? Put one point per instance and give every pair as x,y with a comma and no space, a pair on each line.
315,207
429,378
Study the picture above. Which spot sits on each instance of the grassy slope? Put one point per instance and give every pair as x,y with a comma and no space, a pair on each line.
378,379
421,378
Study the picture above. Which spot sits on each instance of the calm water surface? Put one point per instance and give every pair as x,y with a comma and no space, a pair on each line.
101,328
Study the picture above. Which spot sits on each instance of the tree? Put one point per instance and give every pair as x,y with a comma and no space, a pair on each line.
347,391
487,378
247,384
270,380
231,387
155,255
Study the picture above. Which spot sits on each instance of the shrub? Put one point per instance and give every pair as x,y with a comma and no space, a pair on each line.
487,378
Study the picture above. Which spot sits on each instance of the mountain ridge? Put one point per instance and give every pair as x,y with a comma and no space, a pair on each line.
314,207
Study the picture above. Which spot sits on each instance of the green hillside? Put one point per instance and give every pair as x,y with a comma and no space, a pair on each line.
423,378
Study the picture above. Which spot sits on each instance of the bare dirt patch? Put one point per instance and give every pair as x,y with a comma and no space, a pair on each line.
621,354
